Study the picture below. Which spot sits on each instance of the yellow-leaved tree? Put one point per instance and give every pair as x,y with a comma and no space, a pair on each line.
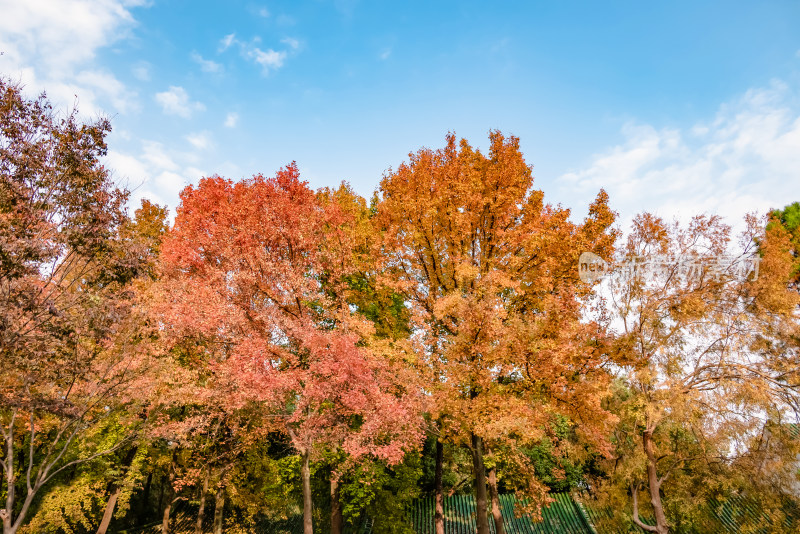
704,321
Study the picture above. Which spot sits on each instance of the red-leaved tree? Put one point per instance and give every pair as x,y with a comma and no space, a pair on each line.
256,267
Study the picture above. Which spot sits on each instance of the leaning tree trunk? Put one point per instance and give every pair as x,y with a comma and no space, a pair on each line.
165,518
198,528
308,520
654,484
219,508
481,501
438,517
116,489
497,514
109,513
336,507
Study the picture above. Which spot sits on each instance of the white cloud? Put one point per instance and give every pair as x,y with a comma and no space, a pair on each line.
385,54
231,120
104,83
155,172
226,42
263,12
269,59
127,169
200,140
291,42
157,156
47,43
206,65
141,71
176,101
747,158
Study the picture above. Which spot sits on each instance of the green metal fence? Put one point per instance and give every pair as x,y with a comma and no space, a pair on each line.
564,516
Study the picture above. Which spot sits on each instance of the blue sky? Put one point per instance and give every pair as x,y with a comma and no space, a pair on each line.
673,107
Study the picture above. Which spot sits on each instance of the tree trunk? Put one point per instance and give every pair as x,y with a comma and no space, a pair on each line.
481,515
109,513
116,489
198,528
165,519
143,505
161,495
438,517
219,507
170,492
308,520
336,507
654,484
8,511
497,513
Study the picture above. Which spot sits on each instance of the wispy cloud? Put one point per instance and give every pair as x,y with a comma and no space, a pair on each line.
384,55
746,158
141,71
176,101
206,65
226,42
96,82
268,59
155,172
200,140
231,120
291,42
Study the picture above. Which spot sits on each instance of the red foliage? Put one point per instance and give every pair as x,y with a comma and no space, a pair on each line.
255,266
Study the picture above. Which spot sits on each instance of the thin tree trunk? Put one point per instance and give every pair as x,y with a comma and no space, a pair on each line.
116,489
654,484
308,520
26,504
219,507
481,501
336,507
438,517
497,514
8,511
198,529
109,513
170,492
143,505
161,495
165,518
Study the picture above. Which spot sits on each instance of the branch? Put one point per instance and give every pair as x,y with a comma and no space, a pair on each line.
635,514
84,460
30,453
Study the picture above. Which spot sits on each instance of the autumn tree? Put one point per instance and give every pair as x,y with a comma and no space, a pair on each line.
253,266
710,368
490,273
789,218
67,328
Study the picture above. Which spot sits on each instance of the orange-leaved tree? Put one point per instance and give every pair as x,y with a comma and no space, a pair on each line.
253,266
490,273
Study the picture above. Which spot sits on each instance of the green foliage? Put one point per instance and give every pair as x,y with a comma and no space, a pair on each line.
383,493
385,309
789,218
